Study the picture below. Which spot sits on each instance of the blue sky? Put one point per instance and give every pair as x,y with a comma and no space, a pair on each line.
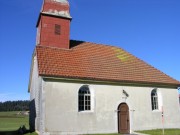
149,29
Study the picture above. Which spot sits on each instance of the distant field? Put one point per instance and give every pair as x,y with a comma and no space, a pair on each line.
10,121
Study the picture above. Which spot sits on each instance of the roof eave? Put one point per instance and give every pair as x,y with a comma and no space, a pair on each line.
51,15
111,82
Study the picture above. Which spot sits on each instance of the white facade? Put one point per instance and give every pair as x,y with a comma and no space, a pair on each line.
35,88
57,106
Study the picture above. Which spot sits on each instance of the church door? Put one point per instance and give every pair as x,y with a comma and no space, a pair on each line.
123,119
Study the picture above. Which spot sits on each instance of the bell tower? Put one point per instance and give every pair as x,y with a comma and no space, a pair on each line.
53,26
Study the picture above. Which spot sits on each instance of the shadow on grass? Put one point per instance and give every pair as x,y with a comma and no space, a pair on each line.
13,132
20,131
9,133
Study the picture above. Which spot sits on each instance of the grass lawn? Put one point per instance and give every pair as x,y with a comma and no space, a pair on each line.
159,132
105,134
154,132
11,121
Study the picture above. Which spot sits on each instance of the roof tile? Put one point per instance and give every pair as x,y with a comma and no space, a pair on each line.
98,62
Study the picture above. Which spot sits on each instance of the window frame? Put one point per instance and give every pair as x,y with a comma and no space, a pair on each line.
154,100
84,99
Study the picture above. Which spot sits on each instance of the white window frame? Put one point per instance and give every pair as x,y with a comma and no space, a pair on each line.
86,99
154,100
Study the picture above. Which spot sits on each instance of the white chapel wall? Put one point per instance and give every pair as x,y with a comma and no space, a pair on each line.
62,116
35,95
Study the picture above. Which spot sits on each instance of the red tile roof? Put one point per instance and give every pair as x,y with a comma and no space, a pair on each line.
87,60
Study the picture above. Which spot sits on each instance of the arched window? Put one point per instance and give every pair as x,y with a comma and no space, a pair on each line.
84,98
154,100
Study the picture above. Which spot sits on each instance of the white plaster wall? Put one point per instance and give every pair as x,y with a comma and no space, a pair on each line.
62,116
143,116
35,92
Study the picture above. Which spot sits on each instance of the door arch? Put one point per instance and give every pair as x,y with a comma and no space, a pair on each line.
123,119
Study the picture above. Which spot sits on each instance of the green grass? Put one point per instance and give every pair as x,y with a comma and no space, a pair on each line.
159,132
104,134
154,132
10,121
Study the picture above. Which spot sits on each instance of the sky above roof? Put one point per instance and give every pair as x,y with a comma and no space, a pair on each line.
148,29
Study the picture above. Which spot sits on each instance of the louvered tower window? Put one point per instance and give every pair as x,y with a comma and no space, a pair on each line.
57,29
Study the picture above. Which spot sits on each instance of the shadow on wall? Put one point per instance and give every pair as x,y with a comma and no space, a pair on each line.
32,115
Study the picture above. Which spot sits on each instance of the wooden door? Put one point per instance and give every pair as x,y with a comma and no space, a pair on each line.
123,119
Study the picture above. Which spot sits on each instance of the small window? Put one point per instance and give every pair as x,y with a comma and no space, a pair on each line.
154,100
57,29
84,98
